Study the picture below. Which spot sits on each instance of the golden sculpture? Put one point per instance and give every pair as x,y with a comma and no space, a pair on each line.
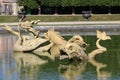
27,42
73,48
35,49
101,49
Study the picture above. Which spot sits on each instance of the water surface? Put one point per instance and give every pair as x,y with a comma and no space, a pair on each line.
33,66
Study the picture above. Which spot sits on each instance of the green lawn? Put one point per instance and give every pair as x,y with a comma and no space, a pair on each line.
58,18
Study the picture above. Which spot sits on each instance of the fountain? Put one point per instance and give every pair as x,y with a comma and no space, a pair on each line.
73,49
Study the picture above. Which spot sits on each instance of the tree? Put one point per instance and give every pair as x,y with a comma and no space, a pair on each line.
72,3
29,4
32,4
104,3
51,3
115,3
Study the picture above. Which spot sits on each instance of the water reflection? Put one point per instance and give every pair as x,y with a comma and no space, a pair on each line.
6,43
101,75
7,64
73,70
28,65
28,59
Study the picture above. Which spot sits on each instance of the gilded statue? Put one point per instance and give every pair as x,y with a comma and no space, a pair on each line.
101,49
27,42
74,48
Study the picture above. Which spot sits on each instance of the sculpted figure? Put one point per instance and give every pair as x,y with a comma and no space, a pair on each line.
27,43
75,51
101,49
57,40
54,37
32,42
72,48
76,47
28,26
79,40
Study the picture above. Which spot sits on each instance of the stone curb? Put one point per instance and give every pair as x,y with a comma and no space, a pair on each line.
72,23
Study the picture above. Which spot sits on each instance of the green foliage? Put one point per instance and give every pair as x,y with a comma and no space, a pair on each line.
44,2
101,2
74,3
29,3
51,3
64,3
86,2
115,2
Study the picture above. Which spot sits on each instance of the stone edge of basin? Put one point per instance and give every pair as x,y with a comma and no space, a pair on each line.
71,23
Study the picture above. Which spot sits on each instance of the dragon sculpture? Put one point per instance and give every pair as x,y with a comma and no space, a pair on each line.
74,48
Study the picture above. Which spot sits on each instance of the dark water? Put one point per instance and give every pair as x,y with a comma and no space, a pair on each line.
32,66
